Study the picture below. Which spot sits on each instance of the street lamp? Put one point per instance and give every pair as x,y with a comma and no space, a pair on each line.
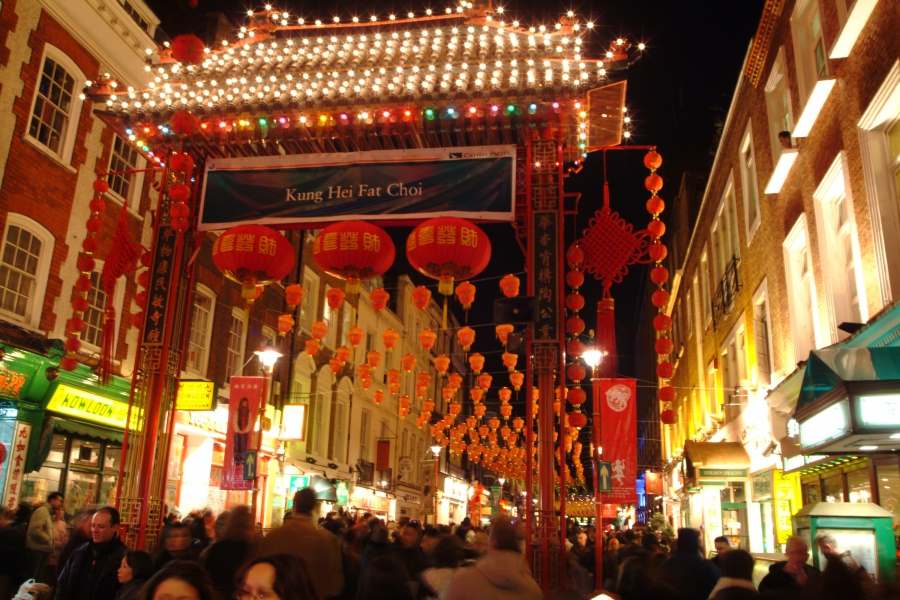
593,358
267,358
502,481
436,450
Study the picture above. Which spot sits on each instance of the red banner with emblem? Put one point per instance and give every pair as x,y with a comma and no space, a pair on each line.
618,438
244,401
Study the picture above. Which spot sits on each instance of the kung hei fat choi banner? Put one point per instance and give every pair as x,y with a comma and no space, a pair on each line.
618,437
244,401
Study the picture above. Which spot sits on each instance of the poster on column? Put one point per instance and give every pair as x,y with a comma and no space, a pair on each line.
244,401
618,438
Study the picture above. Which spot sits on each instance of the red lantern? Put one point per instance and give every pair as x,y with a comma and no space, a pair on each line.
575,257
253,255
576,396
378,397
509,360
342,354
379,298
503,330
657,251
293,295
335,298
575,279
311,346
441,363
448,249
408,362
478,410
373,358
659,298
577,420
454,380
505,394
355,336
465,293
574,347
652,160
576,371
667,416
476,362
509,285
390,338
353,250
285,323
662,322
663,345
506,411
575,325
476,394
68,363
517,378
187,49
319,329
427,338
184,123
653,182
655,205
666,393
574,301
656,228
659,275
665,370
181,162
484,381
466,337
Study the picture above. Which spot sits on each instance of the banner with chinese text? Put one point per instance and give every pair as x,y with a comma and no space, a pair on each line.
476,182
618,437
246,396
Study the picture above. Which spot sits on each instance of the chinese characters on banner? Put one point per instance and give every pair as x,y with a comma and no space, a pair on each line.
16,460
546,280
245,399
160,282
618,437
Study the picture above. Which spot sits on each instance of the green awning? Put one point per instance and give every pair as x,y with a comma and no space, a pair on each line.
830,368
87,430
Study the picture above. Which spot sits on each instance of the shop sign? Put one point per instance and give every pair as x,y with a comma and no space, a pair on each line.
456,489
89,406
16,464
653,483
879,410
786,501
297,483
726,473
829,423
11,382
342,493
761,486
195,394
293,422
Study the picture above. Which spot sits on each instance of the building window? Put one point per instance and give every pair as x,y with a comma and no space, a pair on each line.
24,263
801,289
53,106
93,316
237,338
201,329
712,396
123,160
333,319
809,46
839,246
365,424
689,316
267,337
705,277
750,184
762,337
136,16
309,309
778,104
726,252
349,317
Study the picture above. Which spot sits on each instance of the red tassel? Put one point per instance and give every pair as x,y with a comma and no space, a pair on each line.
108,343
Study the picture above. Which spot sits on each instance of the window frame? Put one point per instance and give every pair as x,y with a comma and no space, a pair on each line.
749,174
309,307
242,316
804,44
761,296
778,81
135,186
64,156
797,241
206,291
705,282
42,273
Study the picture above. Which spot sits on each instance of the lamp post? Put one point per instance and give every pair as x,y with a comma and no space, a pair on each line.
267,358
436,450
593,358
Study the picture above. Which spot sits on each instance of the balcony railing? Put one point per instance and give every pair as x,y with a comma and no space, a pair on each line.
729,286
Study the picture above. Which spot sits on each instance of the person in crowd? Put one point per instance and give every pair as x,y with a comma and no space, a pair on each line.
610,561
202,527
14,564
179,580
479,546
91,570
276,577
840,581
722,546
39,538
134,571
788,577
828,544
583,551
686,573
385,578
376,543
463,529
232,549
60,538
430,538
446,559
501,573
408,552
299,536
736,582
637,579
175,544
79,534
351,555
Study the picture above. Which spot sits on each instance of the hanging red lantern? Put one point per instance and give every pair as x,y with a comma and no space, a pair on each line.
378,397
184,123
427,338
393,377
403,404
421,296
666,393
662,322
652,160
509,360
253,256
465,293
506,411
319,330
657,251
379,298
574,301
335,366
466,337
663,345
656,228
311,347
441,363
576,396
373,358
335,298
574,348
668,416
505,394
518,423
181,162
575,257
476,362
427,406
494,423
517,378
476,394
390,338
576,371
659,298
655,205
659,275
353,250
342,354
503,330
575,325
665,370
484,381
285,323
447,393
454,380
68,363
408,362
188,49
577,420
575,279
509,285
478,410
355,335
653,182
448,249
293,295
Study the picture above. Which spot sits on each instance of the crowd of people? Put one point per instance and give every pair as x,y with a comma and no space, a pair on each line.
45,554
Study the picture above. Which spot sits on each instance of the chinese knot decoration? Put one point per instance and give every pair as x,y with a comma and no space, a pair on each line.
353,250
253,255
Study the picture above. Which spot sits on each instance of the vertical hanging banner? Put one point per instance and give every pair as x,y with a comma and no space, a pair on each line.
244,401
618,437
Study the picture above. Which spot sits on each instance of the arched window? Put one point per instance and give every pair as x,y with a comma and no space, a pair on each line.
202,312
24,269
56,104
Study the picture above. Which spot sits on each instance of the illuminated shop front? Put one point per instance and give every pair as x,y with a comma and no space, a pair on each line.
454,500
376,502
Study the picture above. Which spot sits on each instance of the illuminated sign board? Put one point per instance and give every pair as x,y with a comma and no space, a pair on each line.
879,410
293,422
11,382
828,424
195,394
456,489
88,406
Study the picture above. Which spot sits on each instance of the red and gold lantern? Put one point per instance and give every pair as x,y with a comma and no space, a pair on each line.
448,249
427,338
355,336
253,255
335,298
509,285
476,362
465,293
516,379
390,338
421,296
379,298
509,361
293,295
503,330
408,362
466,337
319,330
484,381
441,363
353,250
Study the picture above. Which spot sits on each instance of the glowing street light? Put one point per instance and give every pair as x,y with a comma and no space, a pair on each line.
267,358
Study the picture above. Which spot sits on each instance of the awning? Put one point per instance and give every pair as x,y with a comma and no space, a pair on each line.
830,368
87,430
717,454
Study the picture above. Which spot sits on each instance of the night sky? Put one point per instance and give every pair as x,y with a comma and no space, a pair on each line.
678,96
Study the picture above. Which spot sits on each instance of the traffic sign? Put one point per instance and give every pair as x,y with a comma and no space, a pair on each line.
604,470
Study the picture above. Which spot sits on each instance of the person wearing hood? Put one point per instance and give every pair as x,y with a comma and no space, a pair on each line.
501,574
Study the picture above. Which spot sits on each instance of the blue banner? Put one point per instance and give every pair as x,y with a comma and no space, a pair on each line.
385,185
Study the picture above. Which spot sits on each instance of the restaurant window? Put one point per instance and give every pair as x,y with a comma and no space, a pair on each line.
801,289
859,488
810,56
812,492
750,184
84,470
705,298
833,488
364,427
887,470
309,307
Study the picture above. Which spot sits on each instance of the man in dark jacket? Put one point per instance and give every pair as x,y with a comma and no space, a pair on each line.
788,577
687,574
91,570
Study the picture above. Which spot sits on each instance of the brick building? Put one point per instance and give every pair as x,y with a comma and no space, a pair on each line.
793,248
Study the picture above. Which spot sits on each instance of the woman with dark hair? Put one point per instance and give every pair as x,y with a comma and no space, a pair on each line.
134,571
231,550
175,544
280,576
182,579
